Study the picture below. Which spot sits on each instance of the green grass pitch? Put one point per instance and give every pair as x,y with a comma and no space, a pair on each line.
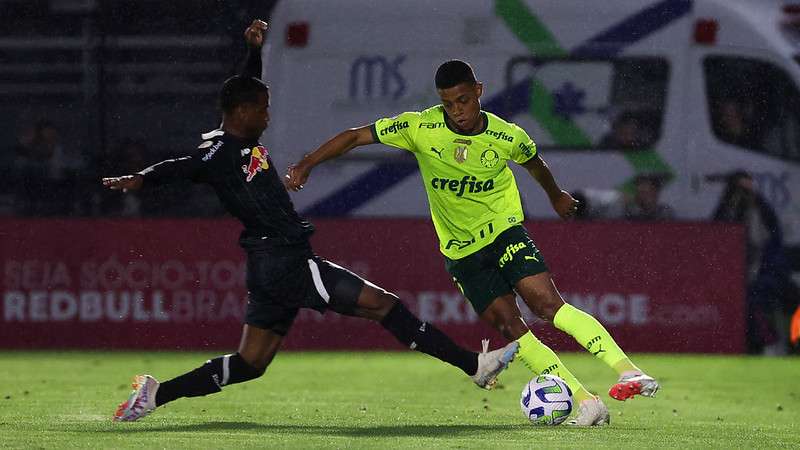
390,400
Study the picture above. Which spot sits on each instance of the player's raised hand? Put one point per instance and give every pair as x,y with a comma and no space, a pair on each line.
296,176
565,205
254,34
124,183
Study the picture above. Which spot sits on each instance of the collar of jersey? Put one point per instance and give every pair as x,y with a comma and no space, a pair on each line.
483,128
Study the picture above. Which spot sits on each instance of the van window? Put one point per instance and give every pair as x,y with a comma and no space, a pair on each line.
753,105
615,104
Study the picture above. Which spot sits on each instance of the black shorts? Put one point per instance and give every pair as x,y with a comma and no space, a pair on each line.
493,271
280,283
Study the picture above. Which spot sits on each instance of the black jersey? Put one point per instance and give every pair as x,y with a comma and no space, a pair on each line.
245,180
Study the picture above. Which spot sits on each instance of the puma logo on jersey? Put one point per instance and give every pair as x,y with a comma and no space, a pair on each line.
438,152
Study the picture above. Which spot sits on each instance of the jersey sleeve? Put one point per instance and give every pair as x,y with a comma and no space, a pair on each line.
167,171
399,131
251,66
524,148
191,167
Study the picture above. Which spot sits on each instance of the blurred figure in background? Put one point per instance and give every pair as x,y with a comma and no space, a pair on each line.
46,174
735,123
35,191
645,204
10,189
627,132
770,290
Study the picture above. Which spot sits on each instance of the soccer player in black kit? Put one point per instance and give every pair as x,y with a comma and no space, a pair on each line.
283,273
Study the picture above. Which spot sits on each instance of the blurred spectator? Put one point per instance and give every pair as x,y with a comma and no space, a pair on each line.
735,123
644,204
13,176
45,173
770,290
627,132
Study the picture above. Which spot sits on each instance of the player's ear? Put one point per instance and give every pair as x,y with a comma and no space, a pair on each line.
478,89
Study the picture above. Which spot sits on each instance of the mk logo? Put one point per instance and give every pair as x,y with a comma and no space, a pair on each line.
438,152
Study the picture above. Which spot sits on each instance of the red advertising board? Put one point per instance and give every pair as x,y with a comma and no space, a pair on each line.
179,284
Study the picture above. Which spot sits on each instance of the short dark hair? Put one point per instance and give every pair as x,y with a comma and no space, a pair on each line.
238,90
452,73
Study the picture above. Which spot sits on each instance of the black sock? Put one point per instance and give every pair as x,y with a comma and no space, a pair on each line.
207,379
428,339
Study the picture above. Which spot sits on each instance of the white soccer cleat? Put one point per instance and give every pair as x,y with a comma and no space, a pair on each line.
490,364
591,412
141,402
631,384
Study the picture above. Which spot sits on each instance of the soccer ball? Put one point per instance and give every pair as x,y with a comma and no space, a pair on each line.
546,400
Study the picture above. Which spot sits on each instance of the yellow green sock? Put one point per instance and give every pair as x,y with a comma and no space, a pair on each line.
593,336
542,360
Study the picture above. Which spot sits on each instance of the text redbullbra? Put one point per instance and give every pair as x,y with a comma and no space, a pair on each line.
468,184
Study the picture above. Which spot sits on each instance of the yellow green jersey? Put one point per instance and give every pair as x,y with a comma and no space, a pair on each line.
472,192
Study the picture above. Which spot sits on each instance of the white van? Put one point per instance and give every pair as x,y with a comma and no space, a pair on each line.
607,90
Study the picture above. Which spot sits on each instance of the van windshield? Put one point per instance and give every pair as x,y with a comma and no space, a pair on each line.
754,105
580,104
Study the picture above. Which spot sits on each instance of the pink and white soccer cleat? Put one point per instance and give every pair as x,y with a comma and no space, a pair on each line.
141,402
631,384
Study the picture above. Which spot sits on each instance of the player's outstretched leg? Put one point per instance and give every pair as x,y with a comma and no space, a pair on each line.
377,304
504,315
541,295
258,347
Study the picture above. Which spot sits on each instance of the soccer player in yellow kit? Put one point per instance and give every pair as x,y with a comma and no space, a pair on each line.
475,205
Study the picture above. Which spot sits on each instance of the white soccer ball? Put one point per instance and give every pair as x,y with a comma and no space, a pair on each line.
546,400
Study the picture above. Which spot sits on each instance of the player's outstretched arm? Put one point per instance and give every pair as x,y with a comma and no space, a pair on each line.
124,183
254,36
563,203
297,174
163,172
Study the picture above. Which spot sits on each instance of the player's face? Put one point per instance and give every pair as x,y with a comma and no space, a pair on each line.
255,116
463,105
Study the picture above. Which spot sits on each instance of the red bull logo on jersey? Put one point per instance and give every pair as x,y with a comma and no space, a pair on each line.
257,162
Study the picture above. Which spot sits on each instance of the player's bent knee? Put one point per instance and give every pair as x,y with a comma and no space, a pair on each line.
376,300
547,309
